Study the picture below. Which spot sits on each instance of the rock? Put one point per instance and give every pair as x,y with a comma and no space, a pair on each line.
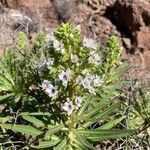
127,43
132,14
142,38
133,18
103,28
41,12
47,13
1,8
65,8
18,21
128,18
11,22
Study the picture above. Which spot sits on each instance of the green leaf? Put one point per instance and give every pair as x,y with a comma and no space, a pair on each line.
7,79
101,115
25,129
33,120
45,144
83,107
97,109
98,135
5,119
53,130
104,101
35,114
78,145
111,124
6,98
82,140
22,42
18,97
62,145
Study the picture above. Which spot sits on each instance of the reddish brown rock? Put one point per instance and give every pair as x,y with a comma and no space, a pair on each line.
132,14
47,13
11,22
41,12
142,38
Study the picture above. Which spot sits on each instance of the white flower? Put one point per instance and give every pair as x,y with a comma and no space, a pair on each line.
95,58
50,62
86,83
89,43
68,107
49,88
92,90
78,101
89,77
74,58
45,84
52,90
50,36
97,81
65,76
79,80
58,45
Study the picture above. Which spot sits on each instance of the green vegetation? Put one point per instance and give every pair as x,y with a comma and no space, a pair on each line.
64,93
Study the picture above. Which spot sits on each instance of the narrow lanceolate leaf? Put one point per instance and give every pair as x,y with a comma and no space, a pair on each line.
7,79
87,102
78,145
33,120
25,129
101,115
82,140
5,98
111,124
53,130
5,119
35,114
98,135
83,108
62,145
45,144
102,103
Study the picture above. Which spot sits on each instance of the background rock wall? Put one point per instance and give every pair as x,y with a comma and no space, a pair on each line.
99,19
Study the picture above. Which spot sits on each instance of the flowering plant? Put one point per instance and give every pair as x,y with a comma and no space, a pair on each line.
65,89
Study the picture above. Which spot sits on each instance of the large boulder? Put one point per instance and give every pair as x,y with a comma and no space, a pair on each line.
47,13
41,12
11,22
132,14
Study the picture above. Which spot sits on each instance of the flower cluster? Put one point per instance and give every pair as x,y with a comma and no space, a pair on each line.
58,45
69,106
88,81
74,70
89,43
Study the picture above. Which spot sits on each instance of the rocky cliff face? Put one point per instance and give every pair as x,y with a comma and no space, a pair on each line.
128,19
